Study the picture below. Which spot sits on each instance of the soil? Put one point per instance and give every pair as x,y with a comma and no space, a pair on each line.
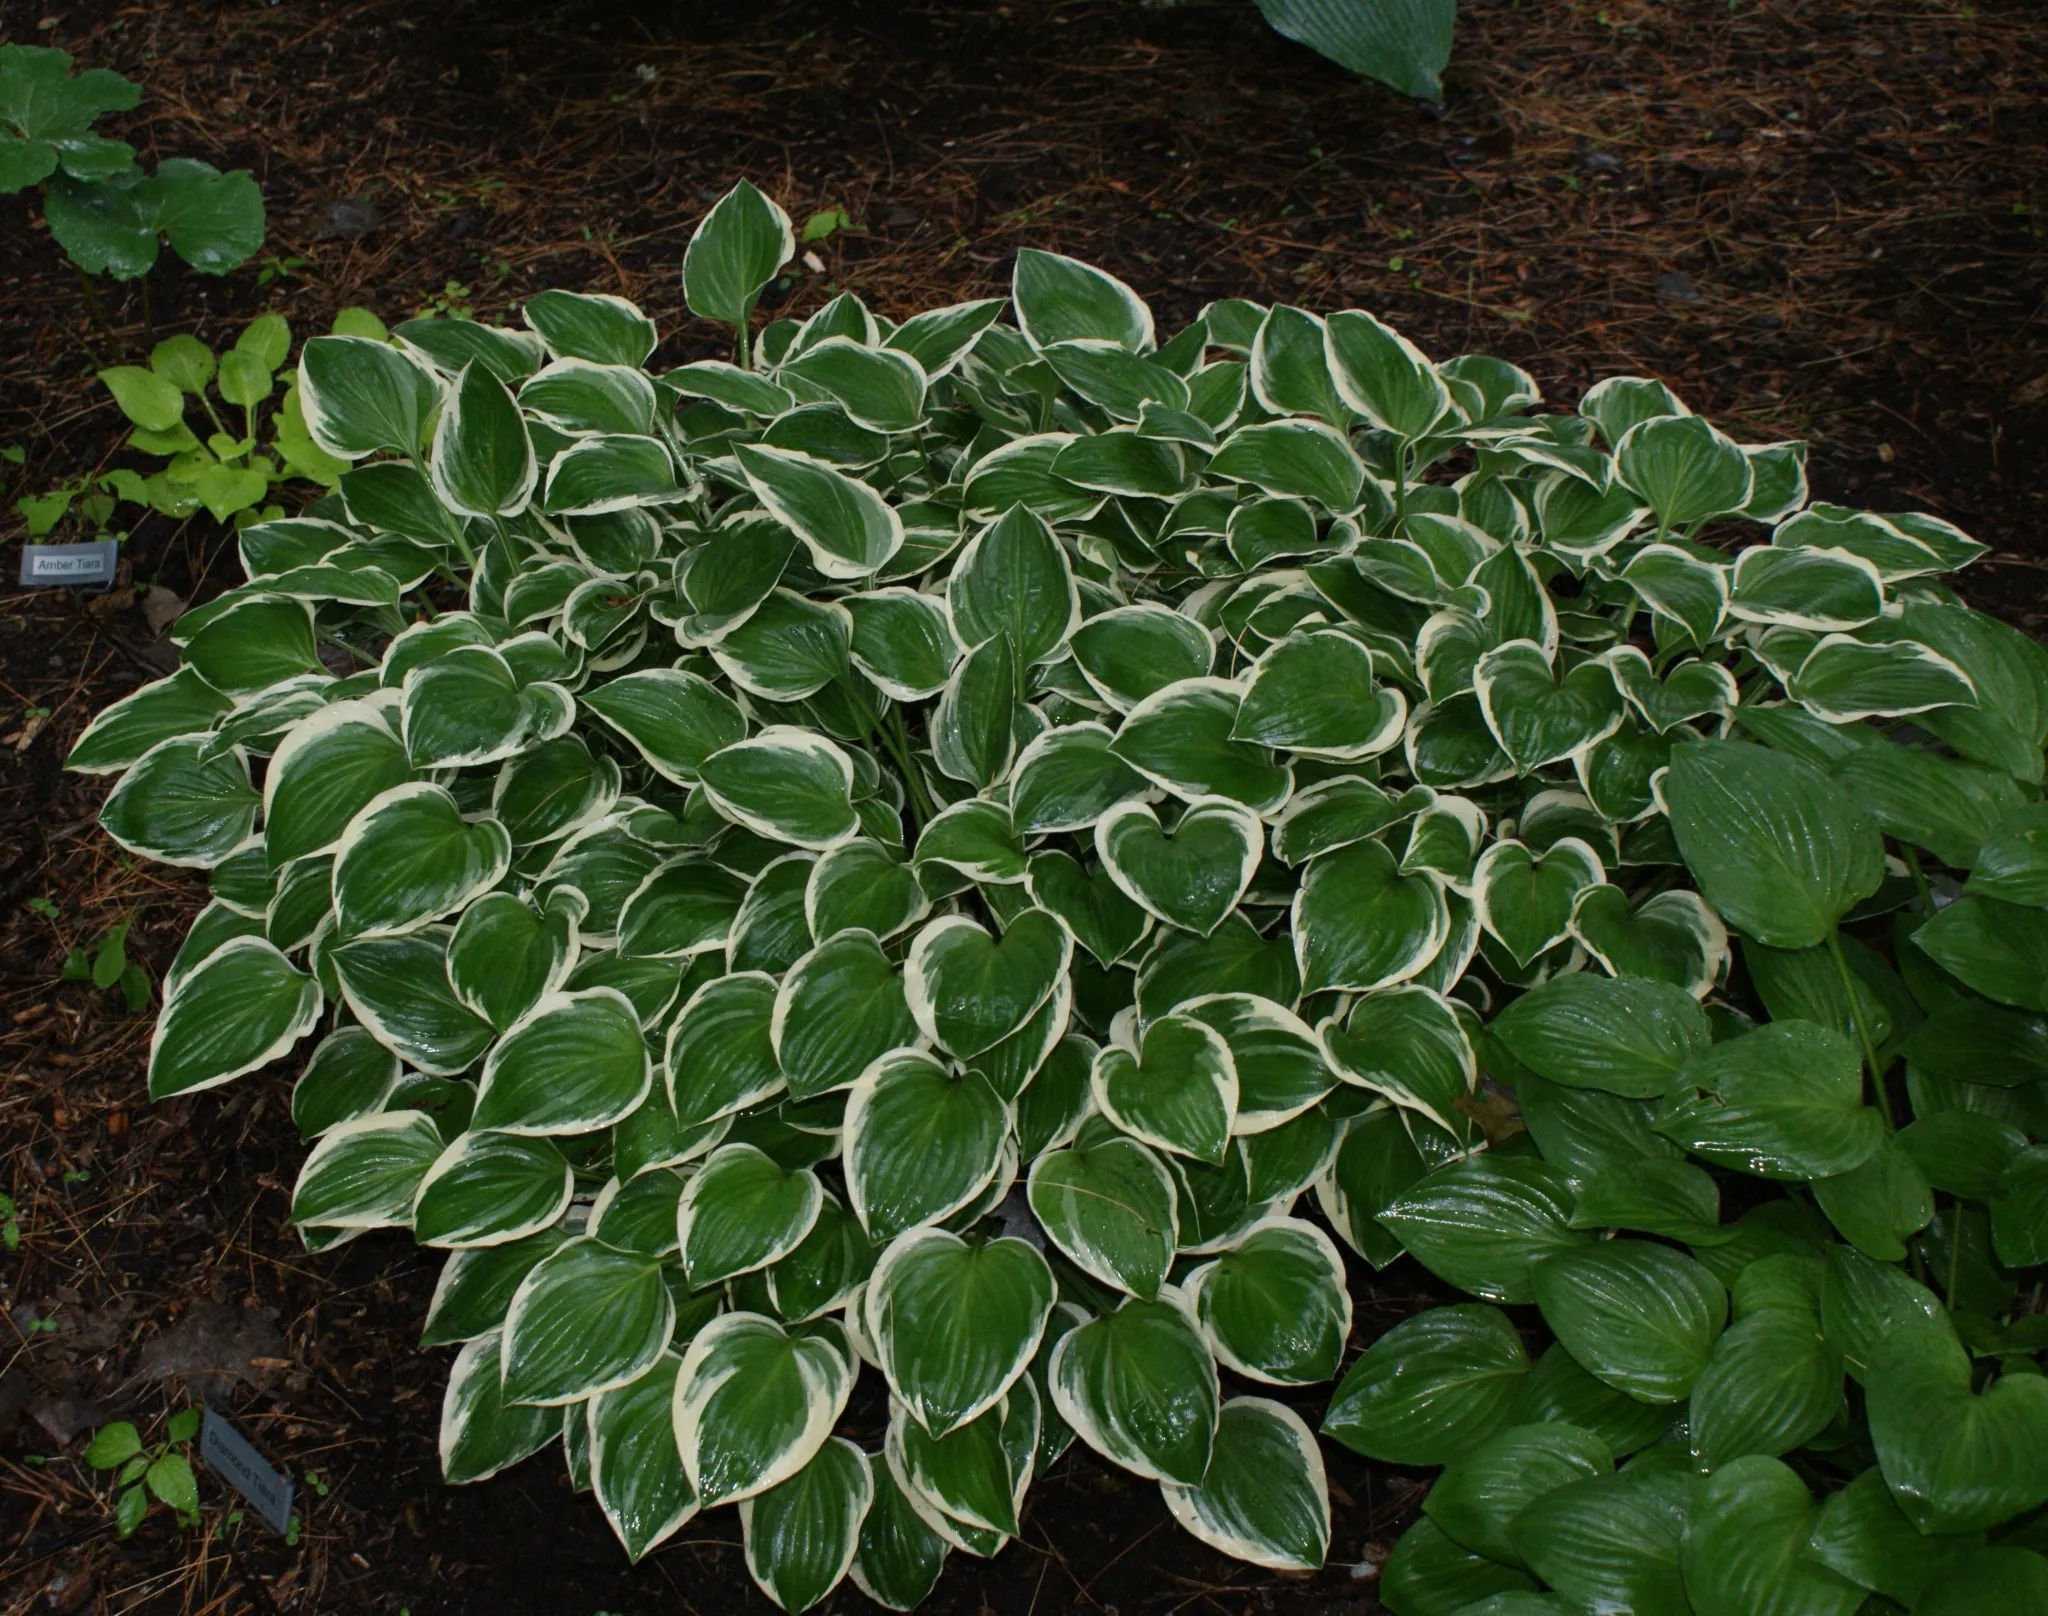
1816,218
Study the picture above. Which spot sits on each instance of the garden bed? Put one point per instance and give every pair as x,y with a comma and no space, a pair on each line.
1812,221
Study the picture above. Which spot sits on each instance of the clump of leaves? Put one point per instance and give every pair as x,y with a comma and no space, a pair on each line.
994,852
107,966
231,472
162,1470
103,210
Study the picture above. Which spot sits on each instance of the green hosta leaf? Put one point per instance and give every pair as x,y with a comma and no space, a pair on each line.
257,642
1745,1547
1557,1389
410,858
1772,1384
325,771
1819,591
1537,718
591,325
847,529
1360,924
1956,1460
1068,778
1090,904
882,389
1525,900
1484,1223
1014,579
1111,1208
178,808
1485,1487
1641,1317
505,957
1777,848
683,908
1843,680
359,396
920,1143
1428,1574
1060,300
900,1556
1670,1198
612,471
1408,1044
1671,937
635,1469
968,991
1998,948
956,1323
481,1433
1294,460
574,1062
1628,1037
973,1479
398,988
1880,1204
552,1355
840,1008
488,1189
1863,1534
1281,1066
1275,1307
754,1404
1131,652
1383,375
738,248
676,720
1264,1498
1611,1542
1176,1091
1686,470
741,1212
1784,1101
239,1009
1139,1387
364,1174
482,463
1192,877
866,886
1314,693
183,704
903,642
721,1056
802,1533
1431,1388
469,706
784,783
349,1074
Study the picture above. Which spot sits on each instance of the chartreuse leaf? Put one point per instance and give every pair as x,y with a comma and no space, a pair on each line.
635,1469
1431,1387
802,1533
1139,1387
754,1404
1264,1498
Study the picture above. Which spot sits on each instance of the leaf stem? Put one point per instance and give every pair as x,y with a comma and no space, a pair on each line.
1884,1099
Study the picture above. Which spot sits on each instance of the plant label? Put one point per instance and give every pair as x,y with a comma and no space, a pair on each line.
69,566
229,1455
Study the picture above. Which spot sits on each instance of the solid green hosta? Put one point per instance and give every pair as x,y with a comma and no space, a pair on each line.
1022,858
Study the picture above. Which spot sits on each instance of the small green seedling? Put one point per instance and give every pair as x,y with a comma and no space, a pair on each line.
162,1470
108,966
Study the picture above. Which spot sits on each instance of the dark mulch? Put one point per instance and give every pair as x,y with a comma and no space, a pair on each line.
1826,219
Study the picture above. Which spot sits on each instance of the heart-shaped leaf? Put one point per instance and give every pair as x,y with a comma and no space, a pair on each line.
1110,1206
1139,1387
1957,1460
1177,1090
968,990
1090,903
1191,877
1525,899
920,1142
1537,718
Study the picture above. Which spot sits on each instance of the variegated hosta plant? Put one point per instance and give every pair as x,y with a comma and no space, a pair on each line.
995,851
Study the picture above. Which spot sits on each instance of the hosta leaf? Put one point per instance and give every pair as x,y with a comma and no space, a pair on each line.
784,783
409,858
572,1063
741,1212
1111,1208
920,1142
1274,1307
1431,1387
1176,1091
968,991
1139,1387
802,1533
754,1404
635,1469
550,1353
1641,1317
239,1009
1191,877
738,248
1746,1547
1263,1498
1484,1488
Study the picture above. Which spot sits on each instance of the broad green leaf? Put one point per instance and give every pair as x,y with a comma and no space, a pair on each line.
802,1533
1274,1307
551,1355
1264,1498
239,1009
481,1433
968,991
1784,1101
1486,1222
754,1404
737,249
839,1009
635,1469
1360,924
741,1211
920,1142
1641,1317
410,858
1628,1037
1176,1091
1956,1459
1772,1384
572,1063
1111,1208
360,396
1484,1488
1745,1547
1139,1387
1431,1388
847,529
785,783
1059,299
1611,1542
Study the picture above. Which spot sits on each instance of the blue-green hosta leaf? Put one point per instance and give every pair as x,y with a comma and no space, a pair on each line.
802,1533
1784,1101
1274,1306
920,1142
1314,693
1191,877
1384,376
177,809
481,1433
183,704
239,1009
359,396
1486,1222
1111,1208
1484,1488
585,1320
1176,1091
1264,1498
1139,1387
1360,924
1537,718
482,462
1525,900
1641,1317
591,325
674,719
1060,299
409,858
1294,459
968,991
488,1189
847,529
840,1008
1431,1387
785,783
738,248
574,1062
1408,1044
1777,848
956,1323
1131,652
635,1469
1746,1547
1956,1459
754,1403
741,1212
903,642
1629,1037
364,1174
